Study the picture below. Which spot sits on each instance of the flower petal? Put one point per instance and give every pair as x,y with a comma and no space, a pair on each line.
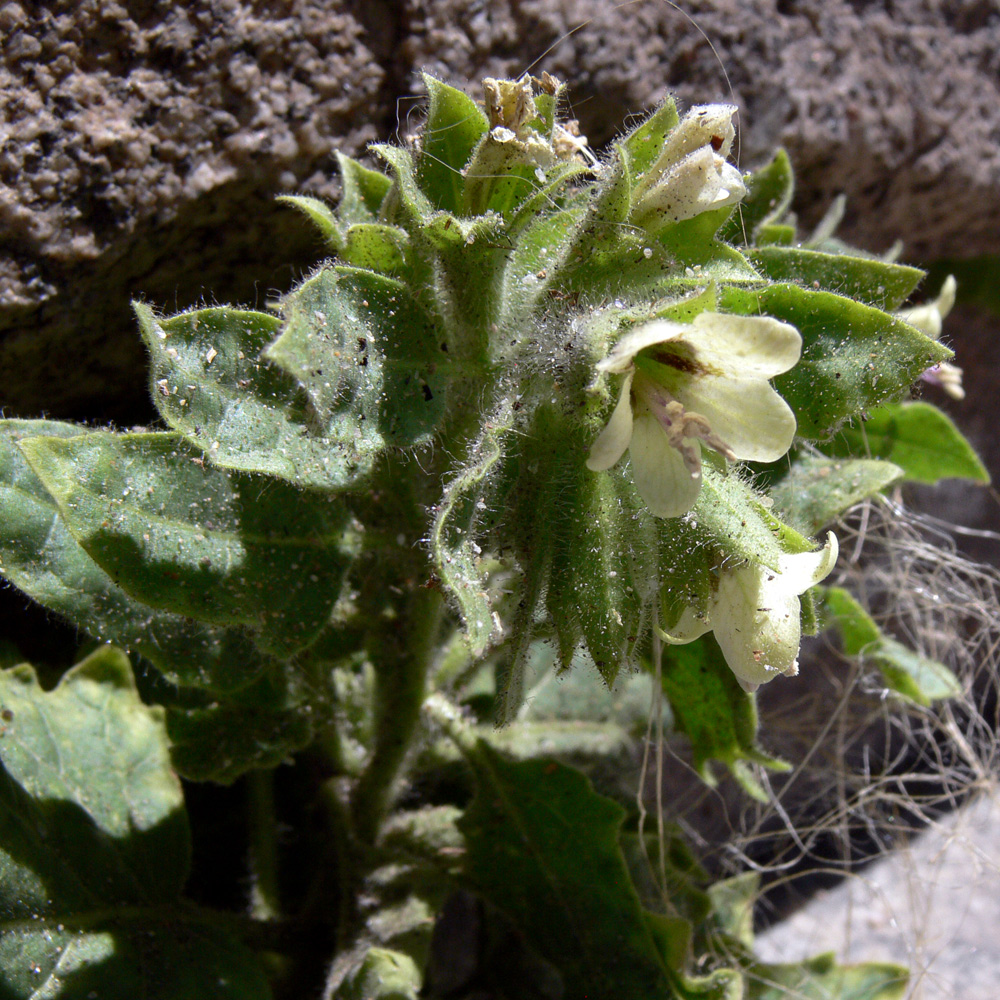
928,317
747,414
611,443
803,570
639,337
757,625
690,626
744,346
702,180
705,125
658,469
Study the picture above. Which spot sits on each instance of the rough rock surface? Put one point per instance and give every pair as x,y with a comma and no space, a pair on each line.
143,141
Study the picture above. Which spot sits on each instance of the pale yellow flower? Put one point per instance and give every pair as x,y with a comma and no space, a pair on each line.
755,614
929,319
691,175
692,383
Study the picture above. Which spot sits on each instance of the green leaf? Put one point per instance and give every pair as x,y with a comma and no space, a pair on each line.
854,357
375,247
768,198
372,363
405,204
40,556
643,144
731,513
867,279
916,677
383,975
821,978
604,568
455,529
694,243
455,124
715,713
94,849
919,438
319,213
212,382
262,726
773,234
179,535
543,848
362,191
817,490
733,901
470,260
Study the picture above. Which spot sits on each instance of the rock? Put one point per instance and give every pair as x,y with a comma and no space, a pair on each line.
144,144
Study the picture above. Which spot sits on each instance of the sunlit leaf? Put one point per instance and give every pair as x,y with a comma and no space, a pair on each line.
919,438
194,540
94,849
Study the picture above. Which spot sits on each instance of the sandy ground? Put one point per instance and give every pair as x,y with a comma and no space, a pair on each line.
934,907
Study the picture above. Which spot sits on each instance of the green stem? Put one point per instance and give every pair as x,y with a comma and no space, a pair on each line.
265,894
402,660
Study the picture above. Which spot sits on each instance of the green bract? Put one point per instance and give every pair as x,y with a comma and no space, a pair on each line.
409,474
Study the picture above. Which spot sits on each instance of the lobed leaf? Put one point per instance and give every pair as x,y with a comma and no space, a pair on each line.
578,908
94,848
370,360
260,726
213,381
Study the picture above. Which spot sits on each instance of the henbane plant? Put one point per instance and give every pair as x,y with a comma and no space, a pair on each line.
538,403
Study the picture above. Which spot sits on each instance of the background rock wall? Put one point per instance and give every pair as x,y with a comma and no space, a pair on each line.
142,141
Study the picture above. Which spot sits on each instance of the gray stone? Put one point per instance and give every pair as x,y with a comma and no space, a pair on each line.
143,143
932,906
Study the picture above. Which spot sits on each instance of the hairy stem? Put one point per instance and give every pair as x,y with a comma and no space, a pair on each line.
402,655
265,901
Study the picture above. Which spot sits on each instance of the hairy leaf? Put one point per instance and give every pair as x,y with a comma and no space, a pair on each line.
768,198
455,125
867,279
854,357
260,726
454,532
715,713
817,490
577,907
370,360
181,536
916,677
917,437
39,555
821,978
321,215
362,191
94,848
213,380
